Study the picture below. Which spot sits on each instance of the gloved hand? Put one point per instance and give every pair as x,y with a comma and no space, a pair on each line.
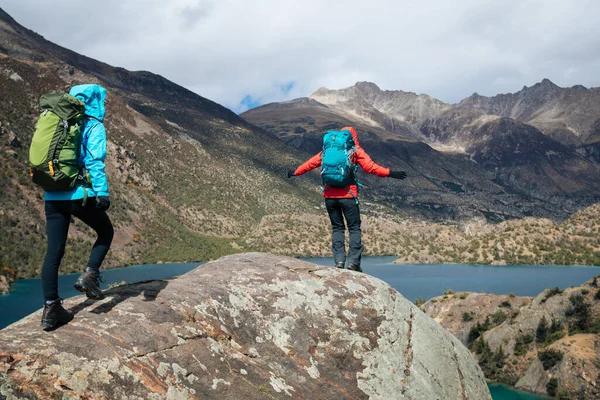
290,173
397,174
103,203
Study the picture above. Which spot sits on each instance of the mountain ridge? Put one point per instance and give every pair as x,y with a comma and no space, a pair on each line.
188,178
565,114
513,156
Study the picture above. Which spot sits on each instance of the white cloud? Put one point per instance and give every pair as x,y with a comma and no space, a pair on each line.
229,49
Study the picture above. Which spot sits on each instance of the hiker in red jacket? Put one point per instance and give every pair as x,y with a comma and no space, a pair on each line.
342,203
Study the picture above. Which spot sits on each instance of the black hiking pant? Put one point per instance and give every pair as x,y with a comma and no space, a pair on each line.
348,209
58,218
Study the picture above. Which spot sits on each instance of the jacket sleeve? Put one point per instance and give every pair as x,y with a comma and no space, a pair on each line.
363,159
95,154
311,164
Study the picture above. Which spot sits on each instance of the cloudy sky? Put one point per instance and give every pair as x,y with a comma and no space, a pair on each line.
241,53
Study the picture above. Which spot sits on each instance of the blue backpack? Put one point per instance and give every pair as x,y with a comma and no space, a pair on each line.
337,164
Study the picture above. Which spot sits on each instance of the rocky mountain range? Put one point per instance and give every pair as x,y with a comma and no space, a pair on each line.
568,115
461,159
191,180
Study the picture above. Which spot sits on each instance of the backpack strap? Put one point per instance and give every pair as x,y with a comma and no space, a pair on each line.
92,117
354,197
86,149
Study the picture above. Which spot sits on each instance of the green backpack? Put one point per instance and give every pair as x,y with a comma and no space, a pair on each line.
56,144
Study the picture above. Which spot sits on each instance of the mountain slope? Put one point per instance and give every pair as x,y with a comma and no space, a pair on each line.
387,109
188,178
548,344
568,115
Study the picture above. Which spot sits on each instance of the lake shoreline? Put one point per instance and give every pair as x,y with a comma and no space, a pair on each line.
412,281
499,388
9,283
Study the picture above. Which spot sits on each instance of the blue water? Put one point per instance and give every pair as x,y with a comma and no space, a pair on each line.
26,297
430,280
413,281
502,392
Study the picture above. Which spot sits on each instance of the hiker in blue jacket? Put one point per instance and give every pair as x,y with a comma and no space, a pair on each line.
86,202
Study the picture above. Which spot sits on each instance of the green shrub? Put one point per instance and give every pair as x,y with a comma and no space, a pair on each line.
580,315
550,358
499,317
463,295
541,333
467,316
552,387
448,292
522,344
506,304
551,292
477,329
420,301
553,337
491,363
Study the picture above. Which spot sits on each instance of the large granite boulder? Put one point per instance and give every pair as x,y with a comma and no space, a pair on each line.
248,326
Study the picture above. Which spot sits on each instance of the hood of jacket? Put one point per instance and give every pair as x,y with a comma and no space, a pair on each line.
354,134
93,96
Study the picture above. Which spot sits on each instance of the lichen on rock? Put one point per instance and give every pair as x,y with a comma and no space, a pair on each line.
251,326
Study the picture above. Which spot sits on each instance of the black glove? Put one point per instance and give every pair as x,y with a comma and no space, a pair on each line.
103,203
397,174
291,173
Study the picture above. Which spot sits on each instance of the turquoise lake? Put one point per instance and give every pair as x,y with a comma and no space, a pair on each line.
413,281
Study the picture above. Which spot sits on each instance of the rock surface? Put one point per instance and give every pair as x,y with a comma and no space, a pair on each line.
4,285
249,326
511,334
459,312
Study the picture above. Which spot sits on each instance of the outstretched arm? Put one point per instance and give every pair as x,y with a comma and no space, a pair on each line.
312,163
370,167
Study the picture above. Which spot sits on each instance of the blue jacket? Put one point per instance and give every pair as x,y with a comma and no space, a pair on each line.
94,139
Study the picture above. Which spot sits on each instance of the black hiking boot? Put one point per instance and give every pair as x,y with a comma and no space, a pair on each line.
54,315
89,283
340,264
355,267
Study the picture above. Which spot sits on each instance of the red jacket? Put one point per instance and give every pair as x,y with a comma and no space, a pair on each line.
360,157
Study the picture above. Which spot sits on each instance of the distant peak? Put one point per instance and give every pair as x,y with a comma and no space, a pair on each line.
367,86
321,91
546,85
547,82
